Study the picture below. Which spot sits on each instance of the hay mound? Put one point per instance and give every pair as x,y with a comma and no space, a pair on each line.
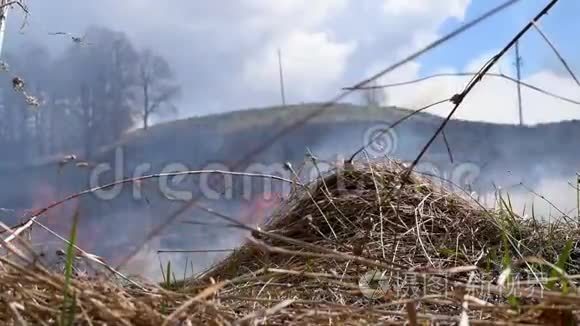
365,211
359,244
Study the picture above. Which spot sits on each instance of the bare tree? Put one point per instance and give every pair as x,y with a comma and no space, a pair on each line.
157,86
90,95
99,82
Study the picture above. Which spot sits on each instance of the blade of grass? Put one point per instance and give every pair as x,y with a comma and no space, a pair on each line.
162,270
68,310
561,264
168,273
578,197
185,269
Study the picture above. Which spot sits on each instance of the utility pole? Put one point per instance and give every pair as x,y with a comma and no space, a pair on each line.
518,64
578,196
4,7
281,71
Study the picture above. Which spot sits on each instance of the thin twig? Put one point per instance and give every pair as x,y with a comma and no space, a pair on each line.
30,221
193,250
315,203
449,152
530,190
91,257
463,74
557,53
393,125
380,204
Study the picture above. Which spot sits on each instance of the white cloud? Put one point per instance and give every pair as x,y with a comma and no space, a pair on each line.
428,8
315,61
312,64
494,99
422,15
290,14
541,108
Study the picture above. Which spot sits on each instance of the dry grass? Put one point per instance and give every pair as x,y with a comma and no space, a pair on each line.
442,259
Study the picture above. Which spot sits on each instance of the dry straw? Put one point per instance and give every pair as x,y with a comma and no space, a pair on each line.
436,256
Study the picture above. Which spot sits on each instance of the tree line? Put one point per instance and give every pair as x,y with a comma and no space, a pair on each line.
88,96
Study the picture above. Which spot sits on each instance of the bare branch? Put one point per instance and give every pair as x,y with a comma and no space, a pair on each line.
462,74
553,47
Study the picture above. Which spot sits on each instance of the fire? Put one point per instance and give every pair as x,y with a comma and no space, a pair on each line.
60,219
260,208
56,218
